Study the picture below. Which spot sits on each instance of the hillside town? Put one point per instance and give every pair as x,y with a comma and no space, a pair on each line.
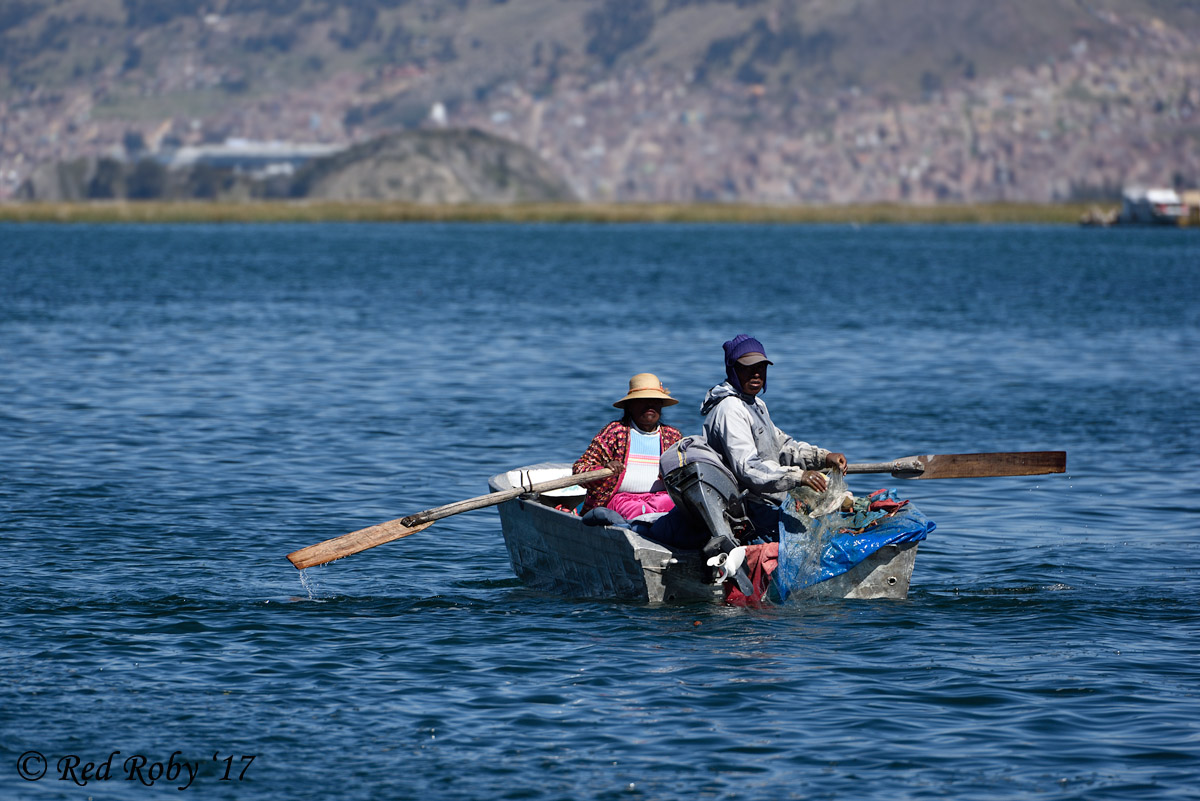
1072,129
1077,127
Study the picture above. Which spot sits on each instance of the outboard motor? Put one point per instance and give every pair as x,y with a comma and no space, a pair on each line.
709,495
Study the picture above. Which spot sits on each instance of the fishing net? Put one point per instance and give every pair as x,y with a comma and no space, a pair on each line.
822,535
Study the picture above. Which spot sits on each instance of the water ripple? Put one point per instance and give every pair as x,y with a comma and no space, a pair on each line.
184,405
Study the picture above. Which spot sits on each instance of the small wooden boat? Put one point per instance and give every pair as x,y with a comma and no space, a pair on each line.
554,551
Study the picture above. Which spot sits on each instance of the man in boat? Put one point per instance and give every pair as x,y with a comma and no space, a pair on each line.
631,446
765,461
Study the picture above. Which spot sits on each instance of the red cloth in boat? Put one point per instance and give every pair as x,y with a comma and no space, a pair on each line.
612,443
761,561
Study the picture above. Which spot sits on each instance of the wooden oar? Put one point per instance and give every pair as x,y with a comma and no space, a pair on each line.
365,538
947,465
969,465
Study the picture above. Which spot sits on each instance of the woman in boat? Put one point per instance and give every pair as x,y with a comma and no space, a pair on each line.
765,461
631,446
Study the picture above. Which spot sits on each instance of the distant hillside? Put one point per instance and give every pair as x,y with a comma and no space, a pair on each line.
427,167
469,47
615,93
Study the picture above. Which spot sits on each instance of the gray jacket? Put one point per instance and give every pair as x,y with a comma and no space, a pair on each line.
739,428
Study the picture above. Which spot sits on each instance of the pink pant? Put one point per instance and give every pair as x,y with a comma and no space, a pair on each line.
633,504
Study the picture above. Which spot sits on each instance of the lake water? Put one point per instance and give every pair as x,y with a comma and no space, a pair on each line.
180,407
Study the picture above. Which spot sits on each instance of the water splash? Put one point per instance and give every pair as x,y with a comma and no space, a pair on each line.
310,585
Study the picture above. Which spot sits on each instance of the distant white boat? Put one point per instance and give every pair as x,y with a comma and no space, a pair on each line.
1151,207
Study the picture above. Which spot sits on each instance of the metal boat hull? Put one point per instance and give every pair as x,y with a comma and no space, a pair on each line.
553,551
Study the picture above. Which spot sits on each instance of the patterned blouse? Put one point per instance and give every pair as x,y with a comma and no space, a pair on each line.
613,443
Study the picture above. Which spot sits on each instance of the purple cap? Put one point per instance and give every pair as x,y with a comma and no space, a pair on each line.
745,349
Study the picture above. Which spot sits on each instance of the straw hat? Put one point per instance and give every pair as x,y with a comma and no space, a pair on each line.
646,386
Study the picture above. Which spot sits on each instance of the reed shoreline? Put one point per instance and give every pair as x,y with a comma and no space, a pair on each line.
386,211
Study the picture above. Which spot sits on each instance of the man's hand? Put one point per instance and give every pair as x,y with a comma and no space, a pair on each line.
837,460
814,479
807,478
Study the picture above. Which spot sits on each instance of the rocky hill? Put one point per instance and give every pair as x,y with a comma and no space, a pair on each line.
755,100
434,167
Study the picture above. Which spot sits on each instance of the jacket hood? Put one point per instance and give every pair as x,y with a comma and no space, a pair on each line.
717,394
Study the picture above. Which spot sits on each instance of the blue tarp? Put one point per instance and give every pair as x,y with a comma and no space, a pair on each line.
810,552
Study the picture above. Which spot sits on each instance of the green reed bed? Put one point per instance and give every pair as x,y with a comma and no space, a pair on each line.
384,211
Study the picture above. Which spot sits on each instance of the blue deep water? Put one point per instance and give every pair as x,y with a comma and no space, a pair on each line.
182,406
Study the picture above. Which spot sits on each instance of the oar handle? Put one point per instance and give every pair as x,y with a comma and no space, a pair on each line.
902,466
494,498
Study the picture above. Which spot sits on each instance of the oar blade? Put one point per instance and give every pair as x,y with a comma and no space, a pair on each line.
980,465
352,543
365,538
